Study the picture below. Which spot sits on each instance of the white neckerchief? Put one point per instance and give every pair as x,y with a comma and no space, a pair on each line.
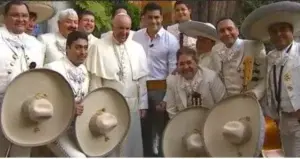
280,56
191,86
76,78
227,54
19,42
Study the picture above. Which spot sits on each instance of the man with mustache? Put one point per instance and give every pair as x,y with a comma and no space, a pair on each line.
20,52
182,14
87,24
161,47
194,85
240,63
56,42
119,8
72,68
283,89
119,62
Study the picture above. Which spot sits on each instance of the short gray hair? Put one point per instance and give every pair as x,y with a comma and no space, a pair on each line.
66,13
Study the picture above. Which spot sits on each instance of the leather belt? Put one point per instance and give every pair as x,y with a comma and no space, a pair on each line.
156,85
290,114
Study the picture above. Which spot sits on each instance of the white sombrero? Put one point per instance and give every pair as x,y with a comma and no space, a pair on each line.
104,122
38,106
195,29
183,135
256,24
235,128
43,10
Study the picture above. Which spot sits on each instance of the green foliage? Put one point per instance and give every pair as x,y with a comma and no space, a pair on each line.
102,10
134,13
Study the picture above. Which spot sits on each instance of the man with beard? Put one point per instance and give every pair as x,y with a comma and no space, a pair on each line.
72,68
56,42
161,47
240,63
182,14
194,85
119,62
20,52
87,24
119,8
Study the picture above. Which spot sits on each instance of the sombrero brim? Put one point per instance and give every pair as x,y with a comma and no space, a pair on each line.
113,102
43,11
256,24
230,109
26,85
195,29
184,122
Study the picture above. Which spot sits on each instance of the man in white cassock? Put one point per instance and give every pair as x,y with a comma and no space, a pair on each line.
119,8
75,72
19,53
56,42
120,63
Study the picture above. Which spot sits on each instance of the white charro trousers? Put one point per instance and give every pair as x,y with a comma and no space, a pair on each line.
290,135
65,146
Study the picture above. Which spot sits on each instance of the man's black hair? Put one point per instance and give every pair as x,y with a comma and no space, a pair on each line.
75,35
151,6
14,2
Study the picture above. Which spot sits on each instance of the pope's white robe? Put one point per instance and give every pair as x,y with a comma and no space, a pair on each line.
17,52
206,82
187,41
103,66
55,46
66,146
92,39
131,33
290,96
229,64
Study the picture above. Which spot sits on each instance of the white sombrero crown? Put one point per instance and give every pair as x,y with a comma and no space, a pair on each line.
38,106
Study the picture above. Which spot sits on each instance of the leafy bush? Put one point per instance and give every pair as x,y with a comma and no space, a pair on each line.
102,10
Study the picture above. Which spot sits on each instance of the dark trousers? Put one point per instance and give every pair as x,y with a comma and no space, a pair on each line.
153,124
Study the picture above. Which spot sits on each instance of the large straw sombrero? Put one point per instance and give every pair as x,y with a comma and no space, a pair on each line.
104,122
43,10
235,128
183,135
195,29
38,106
256,24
